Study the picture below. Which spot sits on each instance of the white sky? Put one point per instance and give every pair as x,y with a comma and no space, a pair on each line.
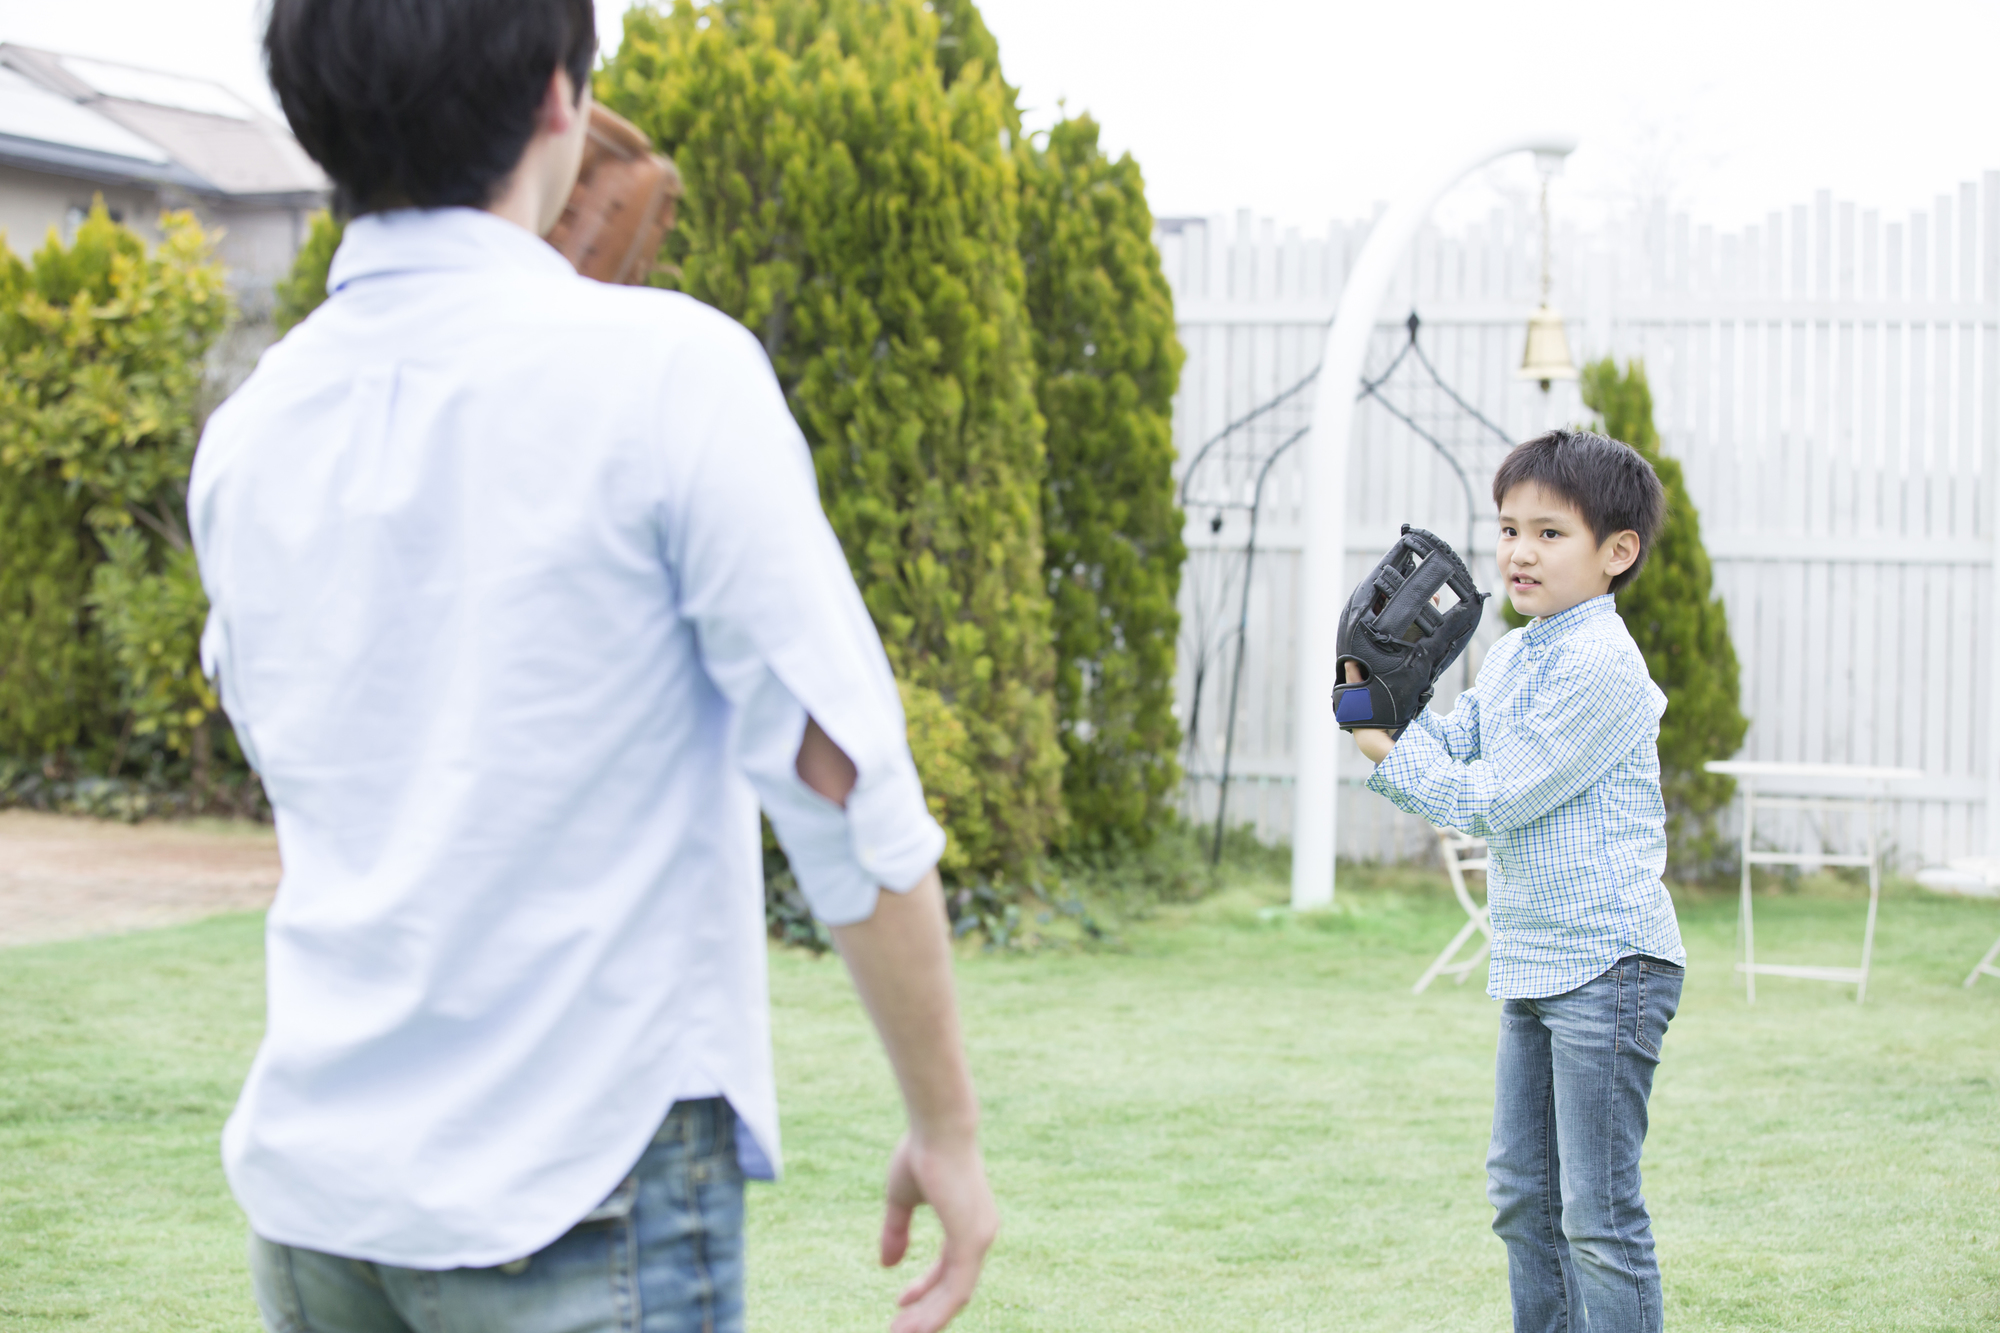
1310,109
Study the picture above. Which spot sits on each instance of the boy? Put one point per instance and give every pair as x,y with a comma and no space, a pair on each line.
522,601
1552,758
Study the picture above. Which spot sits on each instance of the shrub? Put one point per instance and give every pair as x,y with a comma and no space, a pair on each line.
106,347
55,675
850,200
1108,360
301,291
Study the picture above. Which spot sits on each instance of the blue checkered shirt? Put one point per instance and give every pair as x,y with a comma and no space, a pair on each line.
1552,757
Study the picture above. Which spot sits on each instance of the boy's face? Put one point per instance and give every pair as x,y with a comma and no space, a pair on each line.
1549,559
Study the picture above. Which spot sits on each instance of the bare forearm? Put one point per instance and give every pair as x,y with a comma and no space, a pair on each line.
1374,744
900,959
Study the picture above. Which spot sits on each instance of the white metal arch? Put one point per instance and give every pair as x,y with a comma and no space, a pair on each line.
1320,588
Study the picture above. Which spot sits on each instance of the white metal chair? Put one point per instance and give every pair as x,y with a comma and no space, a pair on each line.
1985,966
1461,854
1971,877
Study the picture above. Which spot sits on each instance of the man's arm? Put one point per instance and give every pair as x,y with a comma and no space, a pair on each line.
817,727
900,960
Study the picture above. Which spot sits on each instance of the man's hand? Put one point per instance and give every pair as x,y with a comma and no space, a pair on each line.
900,959
951,1178
1375,744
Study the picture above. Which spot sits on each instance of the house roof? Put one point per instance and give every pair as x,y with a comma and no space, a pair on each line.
113,123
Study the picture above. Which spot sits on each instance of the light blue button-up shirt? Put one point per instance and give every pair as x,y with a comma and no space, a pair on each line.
1553,758
521,594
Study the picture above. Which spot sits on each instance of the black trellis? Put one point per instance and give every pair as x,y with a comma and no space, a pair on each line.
1281,422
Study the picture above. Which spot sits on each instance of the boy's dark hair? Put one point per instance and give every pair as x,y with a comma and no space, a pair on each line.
421,103
1608,481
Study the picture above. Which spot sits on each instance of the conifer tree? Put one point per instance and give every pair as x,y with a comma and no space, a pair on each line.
1678,623
964,41
851,199
1108,360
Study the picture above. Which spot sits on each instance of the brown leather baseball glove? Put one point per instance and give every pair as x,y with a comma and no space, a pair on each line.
623,203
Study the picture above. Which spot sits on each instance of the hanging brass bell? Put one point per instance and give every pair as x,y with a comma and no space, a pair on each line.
1546,356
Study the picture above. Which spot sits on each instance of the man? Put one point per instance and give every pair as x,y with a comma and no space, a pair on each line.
522,601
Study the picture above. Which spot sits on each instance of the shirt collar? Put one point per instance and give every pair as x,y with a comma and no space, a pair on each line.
1563,622
416,240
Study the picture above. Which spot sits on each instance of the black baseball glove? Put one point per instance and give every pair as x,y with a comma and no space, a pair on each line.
1402,641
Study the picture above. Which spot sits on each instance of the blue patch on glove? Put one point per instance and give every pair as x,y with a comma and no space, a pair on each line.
1354,706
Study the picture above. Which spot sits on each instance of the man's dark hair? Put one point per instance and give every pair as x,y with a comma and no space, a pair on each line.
1608,481
421,103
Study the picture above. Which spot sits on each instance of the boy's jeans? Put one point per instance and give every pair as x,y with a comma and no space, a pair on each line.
664,1254
1569,1118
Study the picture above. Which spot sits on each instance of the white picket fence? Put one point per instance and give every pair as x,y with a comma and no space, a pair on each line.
1829,380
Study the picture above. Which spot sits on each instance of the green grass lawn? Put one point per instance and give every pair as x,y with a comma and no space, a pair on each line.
1238,1121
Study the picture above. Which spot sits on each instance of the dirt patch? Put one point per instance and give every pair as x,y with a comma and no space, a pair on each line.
62,877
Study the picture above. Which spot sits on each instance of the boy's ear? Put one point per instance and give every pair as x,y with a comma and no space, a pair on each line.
1620,550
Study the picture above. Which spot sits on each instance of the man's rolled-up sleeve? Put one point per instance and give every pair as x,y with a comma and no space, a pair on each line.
784,635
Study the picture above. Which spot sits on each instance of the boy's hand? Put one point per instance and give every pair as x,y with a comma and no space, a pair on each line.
1375,744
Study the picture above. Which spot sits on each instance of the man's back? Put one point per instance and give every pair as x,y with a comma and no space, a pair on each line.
523,603
482,539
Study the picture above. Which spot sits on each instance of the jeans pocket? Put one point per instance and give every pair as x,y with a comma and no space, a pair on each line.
1659,998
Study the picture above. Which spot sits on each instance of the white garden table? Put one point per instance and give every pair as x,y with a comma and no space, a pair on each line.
1869,786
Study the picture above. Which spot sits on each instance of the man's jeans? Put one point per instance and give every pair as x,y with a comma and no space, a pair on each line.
1569,1118
663,1254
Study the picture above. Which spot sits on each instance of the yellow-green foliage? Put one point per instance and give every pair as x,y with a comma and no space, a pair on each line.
106,346
851,198
938,742
1108,361
301,291
151,607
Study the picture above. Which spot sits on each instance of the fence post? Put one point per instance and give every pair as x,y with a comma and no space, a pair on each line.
1989,429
